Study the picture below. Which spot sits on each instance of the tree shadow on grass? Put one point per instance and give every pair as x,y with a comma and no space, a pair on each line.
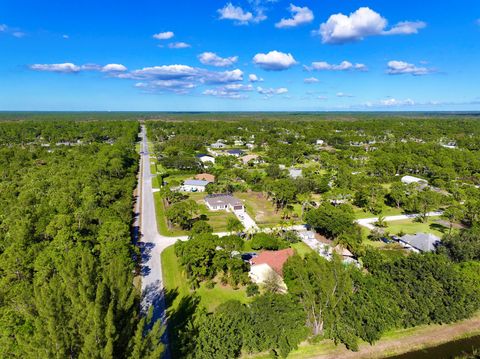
180,325
438,227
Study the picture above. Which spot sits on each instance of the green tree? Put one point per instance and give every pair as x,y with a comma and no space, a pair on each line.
234,225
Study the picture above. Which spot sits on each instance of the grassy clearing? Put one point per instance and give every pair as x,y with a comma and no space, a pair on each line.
410,226
162,221
178,177
175,280
260,209
302,249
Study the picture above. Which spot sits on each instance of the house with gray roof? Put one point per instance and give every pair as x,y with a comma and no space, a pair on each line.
225,202
193,185
420,242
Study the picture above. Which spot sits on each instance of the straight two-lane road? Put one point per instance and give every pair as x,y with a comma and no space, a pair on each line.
151,243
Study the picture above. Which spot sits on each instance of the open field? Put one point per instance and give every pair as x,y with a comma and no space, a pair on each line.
175,280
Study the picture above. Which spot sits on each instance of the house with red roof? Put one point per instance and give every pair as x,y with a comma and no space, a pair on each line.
268,264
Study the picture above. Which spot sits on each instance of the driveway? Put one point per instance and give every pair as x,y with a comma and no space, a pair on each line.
247,221
370,222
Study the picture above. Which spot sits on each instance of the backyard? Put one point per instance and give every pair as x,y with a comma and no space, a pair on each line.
217,219
260,209
411,226
176,281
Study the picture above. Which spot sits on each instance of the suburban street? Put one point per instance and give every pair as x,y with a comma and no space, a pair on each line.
151,243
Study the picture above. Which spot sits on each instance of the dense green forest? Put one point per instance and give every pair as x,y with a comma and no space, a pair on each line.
66,258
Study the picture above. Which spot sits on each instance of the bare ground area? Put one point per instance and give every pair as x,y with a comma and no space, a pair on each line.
427,336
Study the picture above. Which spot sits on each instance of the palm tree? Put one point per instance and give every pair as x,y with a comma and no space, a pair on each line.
234,225
304,199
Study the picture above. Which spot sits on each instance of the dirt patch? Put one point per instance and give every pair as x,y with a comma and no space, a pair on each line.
427,336
323,239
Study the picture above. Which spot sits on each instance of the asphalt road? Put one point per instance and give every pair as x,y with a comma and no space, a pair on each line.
151,243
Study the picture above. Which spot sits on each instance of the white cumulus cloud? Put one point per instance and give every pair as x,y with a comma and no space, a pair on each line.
236,13
363,22
406,28
114,68
311,80
343,66
66,67
179,45
164,35
272,91
274,61
212,59
254,78
395,67
300,16
343,94
233,91
394,102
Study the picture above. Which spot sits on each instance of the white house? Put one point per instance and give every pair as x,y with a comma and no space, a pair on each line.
410,179
194,185
295,173
320,142
235,152
250,146
218,145
206,158
225,202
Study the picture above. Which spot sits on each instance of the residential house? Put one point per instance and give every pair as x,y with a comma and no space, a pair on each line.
218,145
270,264
250,146
420,242
205,177
205,158
247,158
239,143
225,202
421,183
320,142
295,172
194,185
236,153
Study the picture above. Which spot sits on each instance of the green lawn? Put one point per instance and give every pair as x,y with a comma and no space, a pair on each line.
162,221
260,209
175,279
178,177
302,249
410,226
217,219
155,182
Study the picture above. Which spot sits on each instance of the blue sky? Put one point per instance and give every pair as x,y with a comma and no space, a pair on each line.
207,55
